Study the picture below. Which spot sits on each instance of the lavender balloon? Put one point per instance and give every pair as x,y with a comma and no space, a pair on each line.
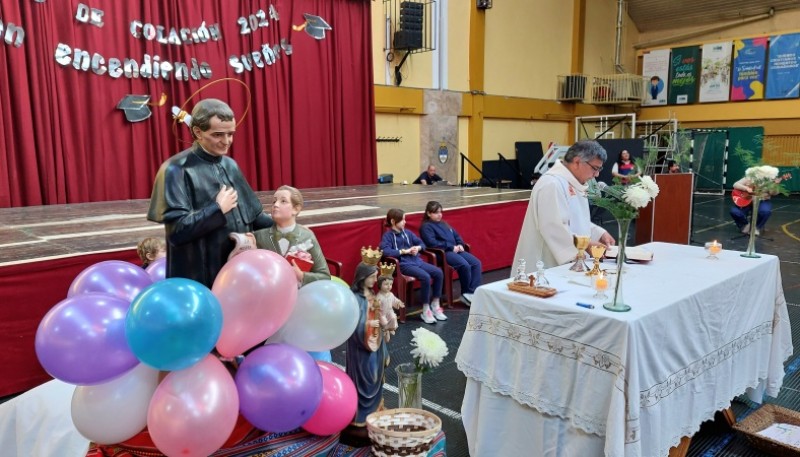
157,269
114,277
280,387
81,340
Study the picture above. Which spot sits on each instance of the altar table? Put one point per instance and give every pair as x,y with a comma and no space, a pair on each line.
546,377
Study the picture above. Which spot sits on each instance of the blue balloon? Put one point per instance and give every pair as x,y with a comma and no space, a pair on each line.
173,324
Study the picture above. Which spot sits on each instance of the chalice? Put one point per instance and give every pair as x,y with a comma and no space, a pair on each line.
597,254
581,242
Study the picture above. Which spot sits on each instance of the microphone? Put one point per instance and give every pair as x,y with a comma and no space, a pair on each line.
601,185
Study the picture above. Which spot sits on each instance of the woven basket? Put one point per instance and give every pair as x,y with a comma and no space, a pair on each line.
762,418
402,431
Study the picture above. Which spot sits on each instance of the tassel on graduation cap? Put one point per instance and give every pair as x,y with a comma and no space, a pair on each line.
137,107
315,26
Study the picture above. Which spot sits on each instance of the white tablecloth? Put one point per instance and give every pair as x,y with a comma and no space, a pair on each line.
700,333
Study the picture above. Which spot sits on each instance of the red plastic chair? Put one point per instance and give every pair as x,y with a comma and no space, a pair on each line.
450,273
404,285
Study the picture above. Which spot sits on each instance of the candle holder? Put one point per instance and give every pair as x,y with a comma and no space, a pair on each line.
581,242
600,285
713,248
597,253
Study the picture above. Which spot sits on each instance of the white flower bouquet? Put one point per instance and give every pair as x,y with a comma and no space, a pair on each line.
429,349
764,180
624,202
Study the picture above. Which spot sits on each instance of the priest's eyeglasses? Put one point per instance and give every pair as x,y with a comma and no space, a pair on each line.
595,168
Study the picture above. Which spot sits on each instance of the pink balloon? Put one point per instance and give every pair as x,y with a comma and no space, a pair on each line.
157,269
114,277
338,405
257,290
193,411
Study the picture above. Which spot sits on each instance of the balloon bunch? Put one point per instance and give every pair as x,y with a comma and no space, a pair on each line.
121,327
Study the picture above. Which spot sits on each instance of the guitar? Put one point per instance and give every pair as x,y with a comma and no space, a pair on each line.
742,199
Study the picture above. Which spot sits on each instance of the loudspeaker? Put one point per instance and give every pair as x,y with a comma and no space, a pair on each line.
484,4
409,34
407,39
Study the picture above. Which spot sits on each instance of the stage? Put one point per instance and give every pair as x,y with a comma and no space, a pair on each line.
43,248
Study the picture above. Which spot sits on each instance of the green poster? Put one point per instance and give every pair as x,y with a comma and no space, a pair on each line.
683,72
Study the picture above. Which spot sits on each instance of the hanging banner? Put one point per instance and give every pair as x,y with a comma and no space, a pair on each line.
683,73
655,70
783,71
749,58
715,75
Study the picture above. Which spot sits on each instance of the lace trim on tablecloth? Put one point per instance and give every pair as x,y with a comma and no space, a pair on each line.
539,404
653,395
580,353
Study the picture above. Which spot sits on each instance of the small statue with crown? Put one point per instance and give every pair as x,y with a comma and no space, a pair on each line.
388,300
367,354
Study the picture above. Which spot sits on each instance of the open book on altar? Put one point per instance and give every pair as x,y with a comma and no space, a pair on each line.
631,252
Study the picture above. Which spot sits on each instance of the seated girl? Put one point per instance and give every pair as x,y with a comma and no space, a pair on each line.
406,246
436,233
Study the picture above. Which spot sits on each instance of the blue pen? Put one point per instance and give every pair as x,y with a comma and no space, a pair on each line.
585,305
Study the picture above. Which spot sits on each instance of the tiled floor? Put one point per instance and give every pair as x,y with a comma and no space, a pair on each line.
443,388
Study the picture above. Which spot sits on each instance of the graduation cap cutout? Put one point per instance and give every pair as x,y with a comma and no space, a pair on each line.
314,26
137,107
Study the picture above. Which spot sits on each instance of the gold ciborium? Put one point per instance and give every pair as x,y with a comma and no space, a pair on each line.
581,242
597,253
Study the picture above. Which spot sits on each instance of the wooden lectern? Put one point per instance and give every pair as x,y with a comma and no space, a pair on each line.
668,218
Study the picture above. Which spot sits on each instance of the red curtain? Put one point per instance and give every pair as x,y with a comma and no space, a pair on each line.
311,121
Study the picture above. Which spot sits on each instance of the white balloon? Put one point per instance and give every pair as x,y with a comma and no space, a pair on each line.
115,411
324,316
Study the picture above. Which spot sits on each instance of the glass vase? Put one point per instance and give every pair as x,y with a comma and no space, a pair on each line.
617,303
409,386
751,243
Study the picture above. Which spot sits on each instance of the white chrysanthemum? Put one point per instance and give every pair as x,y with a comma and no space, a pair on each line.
650,185
429,348
636,196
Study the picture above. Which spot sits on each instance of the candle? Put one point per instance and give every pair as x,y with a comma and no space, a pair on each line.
715,247
601,283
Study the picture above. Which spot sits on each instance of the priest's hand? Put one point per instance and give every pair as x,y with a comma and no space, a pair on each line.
607,240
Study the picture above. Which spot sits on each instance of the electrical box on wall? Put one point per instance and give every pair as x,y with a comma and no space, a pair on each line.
484,4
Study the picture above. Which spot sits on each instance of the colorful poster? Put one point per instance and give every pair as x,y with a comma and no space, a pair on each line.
685,63
715,74
783,70
655,70
749,58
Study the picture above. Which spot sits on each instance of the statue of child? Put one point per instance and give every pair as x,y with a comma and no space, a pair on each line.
389,302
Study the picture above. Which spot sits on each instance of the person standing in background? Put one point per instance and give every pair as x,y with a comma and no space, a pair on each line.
428,176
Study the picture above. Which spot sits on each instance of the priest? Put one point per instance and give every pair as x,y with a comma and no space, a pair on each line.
559,208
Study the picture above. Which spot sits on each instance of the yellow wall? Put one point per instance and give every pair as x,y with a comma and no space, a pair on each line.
395,158
600,39
458,46
504,62
528,44
500,135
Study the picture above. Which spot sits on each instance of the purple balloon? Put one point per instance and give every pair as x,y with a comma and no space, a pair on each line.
82,341
157,269
113,277
280,387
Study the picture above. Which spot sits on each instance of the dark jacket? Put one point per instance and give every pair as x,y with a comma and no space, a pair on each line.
184,200
440,235
392,242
